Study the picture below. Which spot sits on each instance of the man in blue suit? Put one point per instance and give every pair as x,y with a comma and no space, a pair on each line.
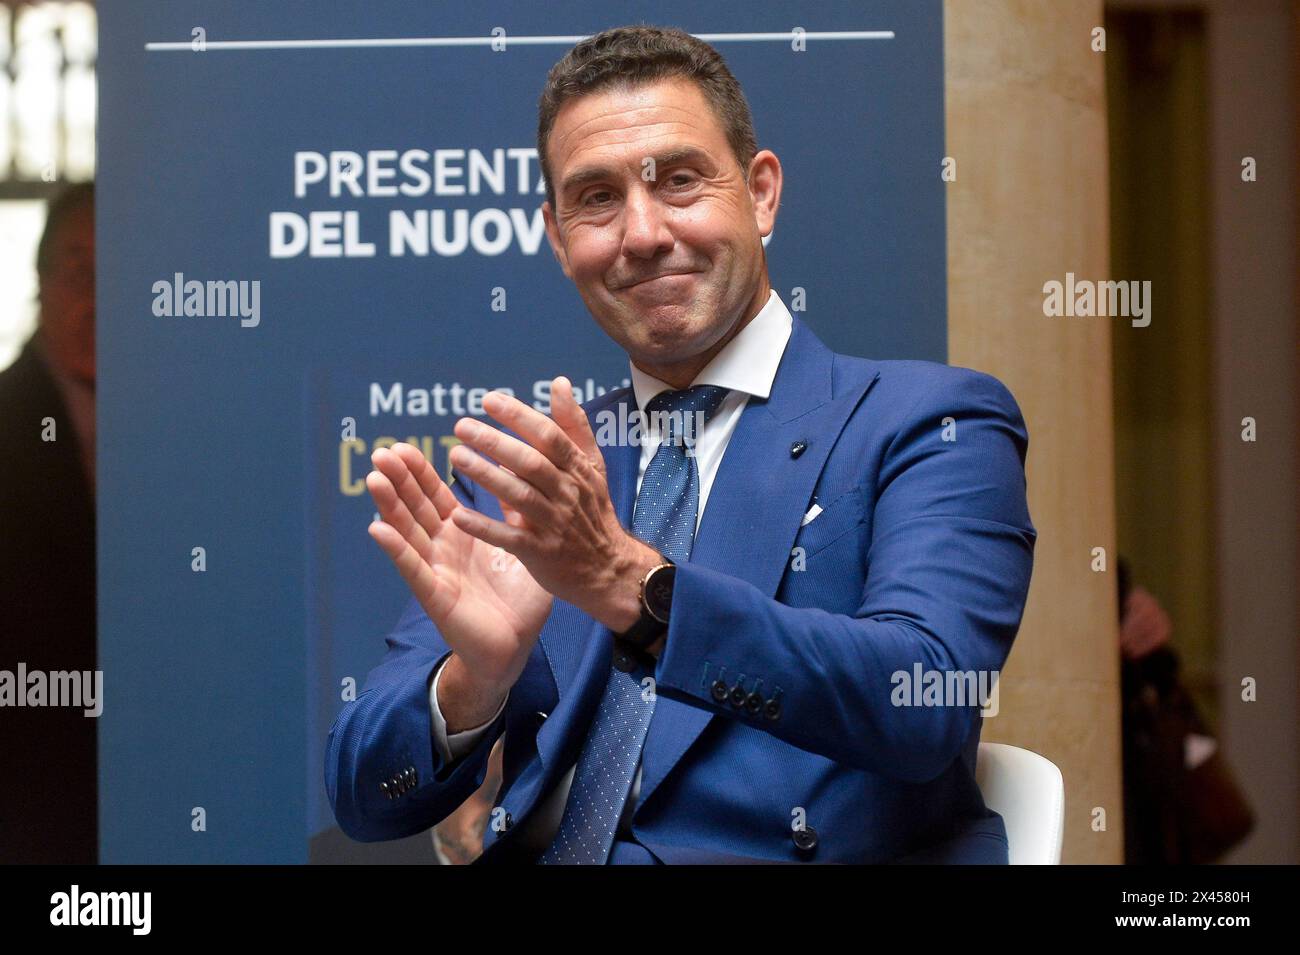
700,609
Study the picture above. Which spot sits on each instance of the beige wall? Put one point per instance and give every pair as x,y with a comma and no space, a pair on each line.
1026,121
1252,82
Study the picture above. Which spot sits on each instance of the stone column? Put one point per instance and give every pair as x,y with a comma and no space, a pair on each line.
1026,123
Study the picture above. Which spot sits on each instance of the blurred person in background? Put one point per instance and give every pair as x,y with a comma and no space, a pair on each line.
1181,803
48,798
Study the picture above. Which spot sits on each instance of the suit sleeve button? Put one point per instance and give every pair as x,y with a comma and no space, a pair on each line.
805,840
754,703
719,691
738,695
772,709
386,790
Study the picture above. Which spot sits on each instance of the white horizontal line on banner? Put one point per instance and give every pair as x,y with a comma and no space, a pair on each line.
186,45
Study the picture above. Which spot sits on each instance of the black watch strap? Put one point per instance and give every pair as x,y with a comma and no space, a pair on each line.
656,597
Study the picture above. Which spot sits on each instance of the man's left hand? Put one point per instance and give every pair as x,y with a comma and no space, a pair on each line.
559,519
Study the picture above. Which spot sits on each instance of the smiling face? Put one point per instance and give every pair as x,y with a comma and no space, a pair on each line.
656,224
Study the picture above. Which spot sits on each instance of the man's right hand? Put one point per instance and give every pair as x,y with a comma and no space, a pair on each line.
485,603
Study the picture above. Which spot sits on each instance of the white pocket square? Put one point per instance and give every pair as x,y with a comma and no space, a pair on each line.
812,513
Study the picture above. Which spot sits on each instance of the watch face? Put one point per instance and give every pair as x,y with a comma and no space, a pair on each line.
659,592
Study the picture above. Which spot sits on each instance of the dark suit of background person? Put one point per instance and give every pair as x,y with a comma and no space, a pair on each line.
922,552
48,795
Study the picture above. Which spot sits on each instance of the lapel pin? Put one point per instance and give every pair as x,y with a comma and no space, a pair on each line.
798,448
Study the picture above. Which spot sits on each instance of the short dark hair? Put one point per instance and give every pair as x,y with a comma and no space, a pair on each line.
72,199
630,56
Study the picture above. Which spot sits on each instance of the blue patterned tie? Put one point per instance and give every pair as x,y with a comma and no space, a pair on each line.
664,517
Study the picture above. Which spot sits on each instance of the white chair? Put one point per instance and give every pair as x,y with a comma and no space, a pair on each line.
1027,791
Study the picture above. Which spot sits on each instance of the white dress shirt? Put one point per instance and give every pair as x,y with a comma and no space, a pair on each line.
747,366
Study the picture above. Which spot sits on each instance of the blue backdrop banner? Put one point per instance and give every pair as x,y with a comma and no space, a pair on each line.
304,249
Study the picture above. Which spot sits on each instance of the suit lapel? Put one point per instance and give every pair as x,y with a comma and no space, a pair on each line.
756,505
752,515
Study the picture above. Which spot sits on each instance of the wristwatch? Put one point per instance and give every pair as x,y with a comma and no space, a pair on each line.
656,601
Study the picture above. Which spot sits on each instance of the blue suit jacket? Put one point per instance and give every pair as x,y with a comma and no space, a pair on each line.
922,554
